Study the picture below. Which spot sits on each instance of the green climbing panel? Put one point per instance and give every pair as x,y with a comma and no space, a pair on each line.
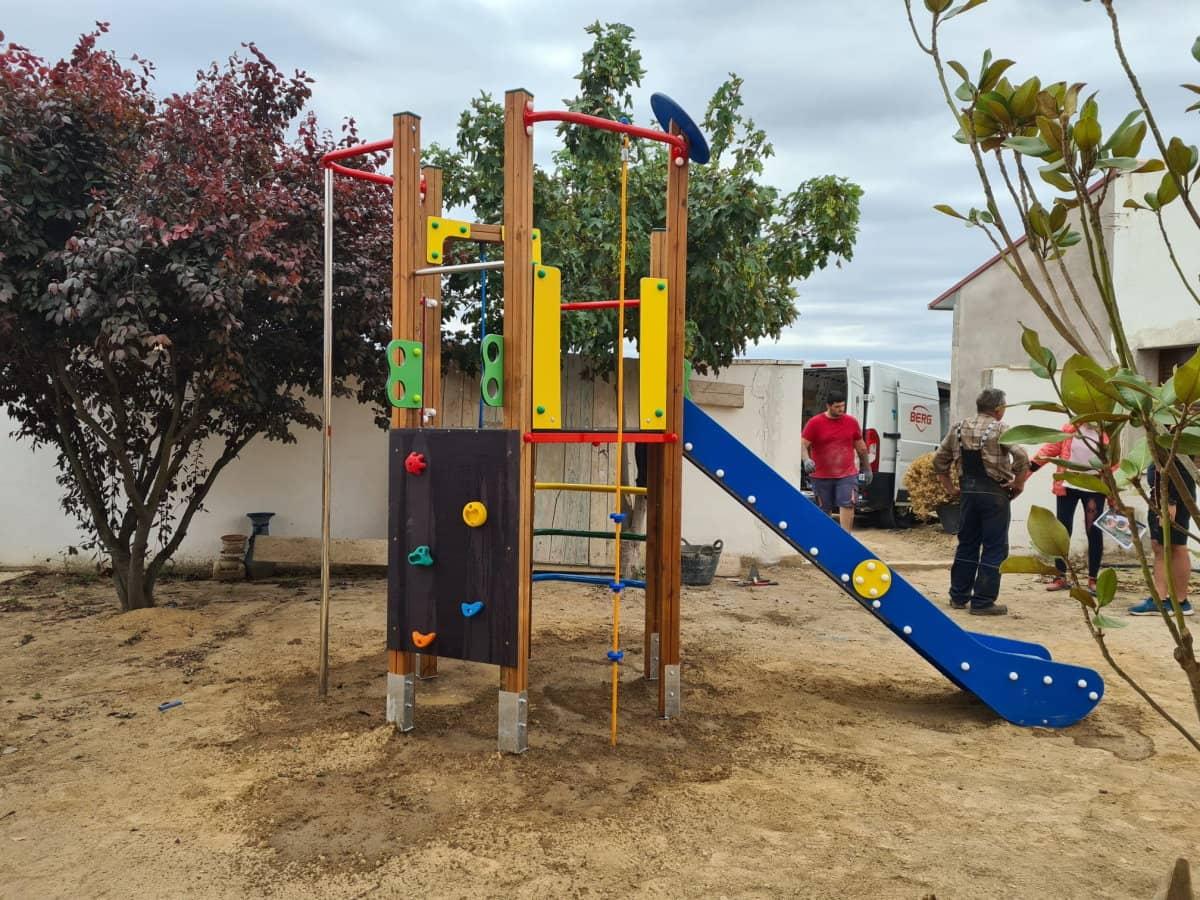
406,378
491,385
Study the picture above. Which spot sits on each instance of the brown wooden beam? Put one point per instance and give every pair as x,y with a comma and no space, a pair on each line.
518,353
407,224
672,454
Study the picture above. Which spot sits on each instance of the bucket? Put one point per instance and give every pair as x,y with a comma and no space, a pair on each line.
698,562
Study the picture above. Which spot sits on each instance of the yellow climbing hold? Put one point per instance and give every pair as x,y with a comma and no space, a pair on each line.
871,579
474,514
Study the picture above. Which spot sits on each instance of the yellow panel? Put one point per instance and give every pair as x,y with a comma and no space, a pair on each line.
547,347
652,348
438,231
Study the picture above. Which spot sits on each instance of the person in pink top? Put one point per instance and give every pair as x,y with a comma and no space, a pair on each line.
828,445
1068,498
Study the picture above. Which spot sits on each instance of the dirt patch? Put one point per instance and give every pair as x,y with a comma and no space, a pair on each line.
816,756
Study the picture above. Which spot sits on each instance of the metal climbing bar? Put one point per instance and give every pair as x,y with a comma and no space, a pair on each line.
330,161
651,134
576,532
461,267
589,488
598,304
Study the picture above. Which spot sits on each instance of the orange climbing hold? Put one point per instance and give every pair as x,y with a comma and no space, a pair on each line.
423,640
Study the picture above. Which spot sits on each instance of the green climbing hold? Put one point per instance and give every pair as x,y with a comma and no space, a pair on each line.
416,352
434,255
435,225
662,286
541,273
462,229
541,410
658,413
421,556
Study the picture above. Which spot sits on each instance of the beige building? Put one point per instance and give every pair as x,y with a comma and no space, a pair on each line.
1161,319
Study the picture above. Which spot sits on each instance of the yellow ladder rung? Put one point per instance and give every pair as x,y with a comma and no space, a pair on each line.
592,488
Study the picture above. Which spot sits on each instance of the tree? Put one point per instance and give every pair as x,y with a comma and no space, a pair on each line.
1009,127
748,243
160,283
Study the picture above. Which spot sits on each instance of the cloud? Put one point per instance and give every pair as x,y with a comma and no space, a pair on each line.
839,88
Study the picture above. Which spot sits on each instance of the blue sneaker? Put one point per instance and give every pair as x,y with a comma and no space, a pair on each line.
1147,608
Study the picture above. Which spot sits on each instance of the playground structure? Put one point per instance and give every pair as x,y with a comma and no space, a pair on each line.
461,501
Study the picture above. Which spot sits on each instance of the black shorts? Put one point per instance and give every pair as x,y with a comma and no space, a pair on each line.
1181,518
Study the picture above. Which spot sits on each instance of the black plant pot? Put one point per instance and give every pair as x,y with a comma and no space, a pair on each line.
949,515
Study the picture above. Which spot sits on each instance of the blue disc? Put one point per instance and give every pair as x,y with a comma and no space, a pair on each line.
667,111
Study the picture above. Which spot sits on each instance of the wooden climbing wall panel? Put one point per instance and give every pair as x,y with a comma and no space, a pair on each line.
470,565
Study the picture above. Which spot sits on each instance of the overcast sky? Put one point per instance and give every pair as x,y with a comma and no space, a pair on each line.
839,87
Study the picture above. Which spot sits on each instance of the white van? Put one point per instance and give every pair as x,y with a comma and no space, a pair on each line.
903,414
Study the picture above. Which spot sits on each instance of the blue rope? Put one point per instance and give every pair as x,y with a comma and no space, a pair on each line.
575,578
482,313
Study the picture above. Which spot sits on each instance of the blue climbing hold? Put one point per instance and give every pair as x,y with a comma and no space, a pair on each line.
616,655
624,120
617,517
472,609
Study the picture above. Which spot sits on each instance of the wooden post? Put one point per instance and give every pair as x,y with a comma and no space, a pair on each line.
406,152
518,378
672,454
429,333
653,556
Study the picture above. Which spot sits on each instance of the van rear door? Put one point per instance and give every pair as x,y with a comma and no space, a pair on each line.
919,414
855,394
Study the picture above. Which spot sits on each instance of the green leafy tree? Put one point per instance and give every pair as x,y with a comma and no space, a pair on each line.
748,242
160,283
1040,152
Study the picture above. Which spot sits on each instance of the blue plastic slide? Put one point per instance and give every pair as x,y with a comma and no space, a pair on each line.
1019,680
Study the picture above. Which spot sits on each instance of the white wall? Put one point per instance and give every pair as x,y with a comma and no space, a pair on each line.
770,425
1155,306
286,479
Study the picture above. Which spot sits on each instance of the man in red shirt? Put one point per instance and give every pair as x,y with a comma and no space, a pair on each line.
827,446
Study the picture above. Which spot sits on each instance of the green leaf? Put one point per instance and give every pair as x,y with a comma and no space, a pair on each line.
1048,534
1129,142
993,73
1101,621
1024,99
1179,157
1084,482
1186,380
1058,216
1057,179
1083,597
966,7
1041,406
1120,131
1106,587
1026,565
937,6
1031,434
1080,395
1124,163
1151,165
964,92
1086,134
950,211
1186,442
1030,146
1139,456
960,69
1168,190
1196,50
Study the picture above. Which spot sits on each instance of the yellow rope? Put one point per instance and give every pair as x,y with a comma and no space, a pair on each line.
616,627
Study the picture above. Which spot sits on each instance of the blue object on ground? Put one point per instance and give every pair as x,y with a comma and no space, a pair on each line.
577,578
1017,679
170,704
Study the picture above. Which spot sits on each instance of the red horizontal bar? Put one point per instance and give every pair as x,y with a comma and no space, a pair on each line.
377,177
357,150
599,437
556,115
599,304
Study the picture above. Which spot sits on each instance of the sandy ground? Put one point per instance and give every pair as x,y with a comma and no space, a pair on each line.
816,757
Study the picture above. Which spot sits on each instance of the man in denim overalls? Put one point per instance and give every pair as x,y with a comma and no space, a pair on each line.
991,474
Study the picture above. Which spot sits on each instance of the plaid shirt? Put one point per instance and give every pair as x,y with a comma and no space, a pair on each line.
981,433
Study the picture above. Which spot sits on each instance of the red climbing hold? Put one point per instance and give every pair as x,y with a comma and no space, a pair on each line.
415,463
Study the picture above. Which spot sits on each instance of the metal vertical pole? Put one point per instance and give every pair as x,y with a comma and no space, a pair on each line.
326,434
